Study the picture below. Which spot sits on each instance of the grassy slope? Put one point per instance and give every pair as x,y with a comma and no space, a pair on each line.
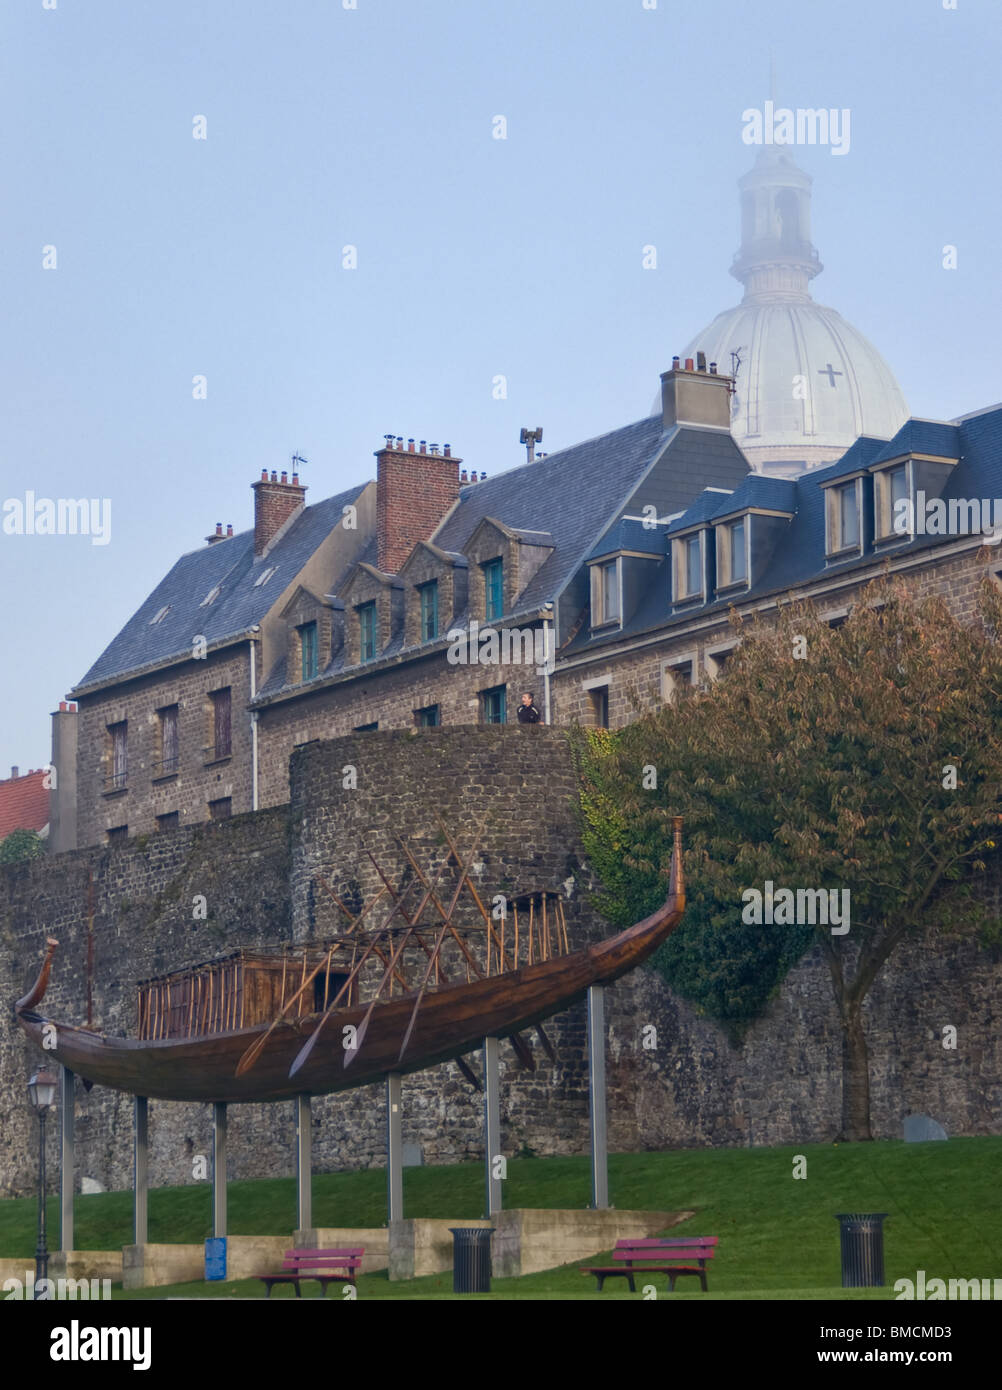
777,1234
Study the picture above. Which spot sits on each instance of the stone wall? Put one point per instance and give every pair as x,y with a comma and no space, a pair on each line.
262,878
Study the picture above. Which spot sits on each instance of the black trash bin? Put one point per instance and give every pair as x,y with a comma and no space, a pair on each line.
471,1259
862,1238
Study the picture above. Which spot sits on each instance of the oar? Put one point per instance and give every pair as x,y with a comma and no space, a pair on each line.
257,1047
446,923
307,1050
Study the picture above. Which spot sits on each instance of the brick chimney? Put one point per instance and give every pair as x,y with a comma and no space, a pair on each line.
694,395
275,500
415,487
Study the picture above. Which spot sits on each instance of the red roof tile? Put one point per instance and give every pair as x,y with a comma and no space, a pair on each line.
24,803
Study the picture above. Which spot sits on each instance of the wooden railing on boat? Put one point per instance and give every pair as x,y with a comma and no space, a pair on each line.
254,986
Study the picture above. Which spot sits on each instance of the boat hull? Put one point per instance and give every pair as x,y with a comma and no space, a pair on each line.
452,1020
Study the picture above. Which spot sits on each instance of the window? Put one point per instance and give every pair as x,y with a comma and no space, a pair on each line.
221,745
736,551
118,835
605,606
118,756
494,705
688,567
892,488
677,676
367,631
493,590
599,697
716,659
221,809
169,754
366,728
843,517
168,820
308,648
430,717
428,594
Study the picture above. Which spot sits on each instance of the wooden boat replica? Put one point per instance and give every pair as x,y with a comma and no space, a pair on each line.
260,1025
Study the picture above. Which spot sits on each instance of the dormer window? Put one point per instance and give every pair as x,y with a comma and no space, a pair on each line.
310,651
893,503
493,589
606,605
688,558
367,631
732,553
842,518
428,595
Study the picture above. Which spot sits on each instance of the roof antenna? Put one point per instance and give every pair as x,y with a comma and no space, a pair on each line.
530,438
296,459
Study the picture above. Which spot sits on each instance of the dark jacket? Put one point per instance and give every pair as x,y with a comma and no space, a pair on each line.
528,714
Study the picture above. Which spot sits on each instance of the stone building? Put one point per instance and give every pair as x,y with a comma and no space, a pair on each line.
598,577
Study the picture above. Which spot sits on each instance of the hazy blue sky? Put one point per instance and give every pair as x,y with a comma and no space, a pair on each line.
476,256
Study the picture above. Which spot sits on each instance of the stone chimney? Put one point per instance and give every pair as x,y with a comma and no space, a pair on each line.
275,501
63,792
695,395
415,487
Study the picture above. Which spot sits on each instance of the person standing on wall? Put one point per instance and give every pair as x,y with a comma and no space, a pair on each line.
527,711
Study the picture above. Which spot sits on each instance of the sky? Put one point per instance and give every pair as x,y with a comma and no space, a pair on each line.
180,314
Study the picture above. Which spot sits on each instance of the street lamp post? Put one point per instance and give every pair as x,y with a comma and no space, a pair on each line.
42,1094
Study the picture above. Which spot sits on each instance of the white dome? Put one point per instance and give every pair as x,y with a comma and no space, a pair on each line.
806,383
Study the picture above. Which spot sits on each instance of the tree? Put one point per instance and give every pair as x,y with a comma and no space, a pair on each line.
866,758
20,845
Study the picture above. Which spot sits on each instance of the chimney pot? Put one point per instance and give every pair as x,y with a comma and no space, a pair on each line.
410,446
229,528
690,366
713,369
219,528
274,476
14,772
675,362
62,706
285,476
264,475
424,447
447,450
483,476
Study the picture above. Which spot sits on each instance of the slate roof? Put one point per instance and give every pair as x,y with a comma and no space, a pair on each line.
24,803
923,437
704,508
572,495
771,494
800,557
630,533
230,565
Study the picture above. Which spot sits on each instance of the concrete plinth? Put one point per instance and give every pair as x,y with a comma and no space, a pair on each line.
375,1240
423,1246
529,1240
149,1266
86,1264
526,1240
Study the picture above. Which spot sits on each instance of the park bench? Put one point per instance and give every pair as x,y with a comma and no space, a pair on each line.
326,1266
671,1257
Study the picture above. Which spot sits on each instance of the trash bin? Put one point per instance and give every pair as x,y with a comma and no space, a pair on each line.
471,1259
862,1238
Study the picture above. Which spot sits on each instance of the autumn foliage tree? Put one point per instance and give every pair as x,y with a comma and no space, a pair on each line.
866,757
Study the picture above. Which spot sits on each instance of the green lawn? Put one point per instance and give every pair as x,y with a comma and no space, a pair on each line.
778,1238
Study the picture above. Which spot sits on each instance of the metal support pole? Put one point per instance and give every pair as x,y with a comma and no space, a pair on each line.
141,1173
66,1161
492,1125
41,1249
394,1150
596,1098
219,1168
304,1164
